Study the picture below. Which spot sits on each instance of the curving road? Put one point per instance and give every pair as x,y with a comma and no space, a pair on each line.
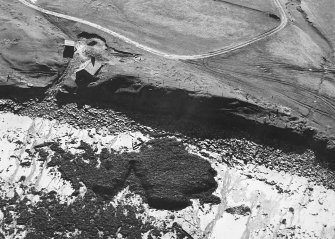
223,50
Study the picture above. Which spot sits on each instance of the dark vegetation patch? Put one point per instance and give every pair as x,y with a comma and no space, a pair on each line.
163,173
274,16
239,210
90,215
88,35
43,155
171,177
92,43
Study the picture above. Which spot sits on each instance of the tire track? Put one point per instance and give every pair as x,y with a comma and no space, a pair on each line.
204,64
306,90
315,93
242,6
224,50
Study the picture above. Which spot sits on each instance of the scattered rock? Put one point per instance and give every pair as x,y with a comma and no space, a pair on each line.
239,210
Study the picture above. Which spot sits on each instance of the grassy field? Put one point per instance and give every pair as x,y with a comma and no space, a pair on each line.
285,70
261,5
29,45
180,27
321,13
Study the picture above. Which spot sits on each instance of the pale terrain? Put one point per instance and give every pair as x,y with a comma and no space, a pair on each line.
237,144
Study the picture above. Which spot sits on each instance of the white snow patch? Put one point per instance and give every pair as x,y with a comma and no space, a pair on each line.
301,210
229,227
19,135
280,203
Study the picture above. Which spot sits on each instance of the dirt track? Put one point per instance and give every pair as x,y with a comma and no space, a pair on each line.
223,50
